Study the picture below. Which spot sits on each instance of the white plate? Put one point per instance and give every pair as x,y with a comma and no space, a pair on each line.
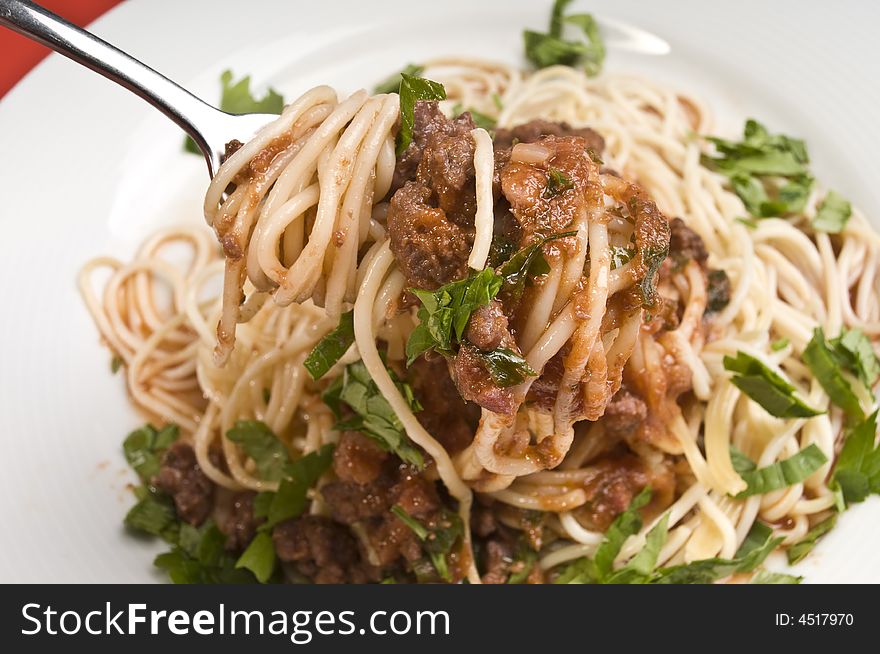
88,169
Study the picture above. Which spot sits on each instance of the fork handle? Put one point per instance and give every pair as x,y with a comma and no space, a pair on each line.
181,106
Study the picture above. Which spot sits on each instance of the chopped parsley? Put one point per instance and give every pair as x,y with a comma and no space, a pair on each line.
259,442
506,367
392,83
359,406
413,89
331,348
523,266
444,314
782,474
806,544
551,49
237,98
832,214
143,448
438,540
857,470
826,366
753,165
766,387
557,182
853,351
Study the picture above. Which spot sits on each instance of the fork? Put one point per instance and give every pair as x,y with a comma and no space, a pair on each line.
209,127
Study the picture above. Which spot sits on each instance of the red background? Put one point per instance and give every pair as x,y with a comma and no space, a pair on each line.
21,54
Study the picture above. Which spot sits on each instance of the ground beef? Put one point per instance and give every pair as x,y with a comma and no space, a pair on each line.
685,244
475,384
616,479
543,391
429,249
239,524
427,121
351,502
181,477
447,417
358,459
447,168
487,328
391,540
322,550
717,291
624,414
497,559
544,207
534,129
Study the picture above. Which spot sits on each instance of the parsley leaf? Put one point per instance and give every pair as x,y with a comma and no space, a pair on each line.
259,557
854,351
444,313
620,255
821,361
768,577
263,446
289,501
373,417
557,182
781,474
154,514
781,344
806,544
200,557
506,367
766,387
857,471
143,448
640,568
412,89
523,563
549,49
599,569
331,348
751,165
757,546
392,83
653,259
437,540
625,525
525,264
833,214
237,98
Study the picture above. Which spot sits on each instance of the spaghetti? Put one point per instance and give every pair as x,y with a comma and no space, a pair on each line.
304,215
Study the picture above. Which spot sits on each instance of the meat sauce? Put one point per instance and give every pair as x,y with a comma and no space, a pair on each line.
430,219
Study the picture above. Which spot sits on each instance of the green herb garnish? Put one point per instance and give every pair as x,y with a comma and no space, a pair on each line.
806,544
392,83
143,449
832,214
825,365
557,182
237,98
506,367
444,314
782,474
331,348
857,471
551,49
438,540
766,387
413,89
373,416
